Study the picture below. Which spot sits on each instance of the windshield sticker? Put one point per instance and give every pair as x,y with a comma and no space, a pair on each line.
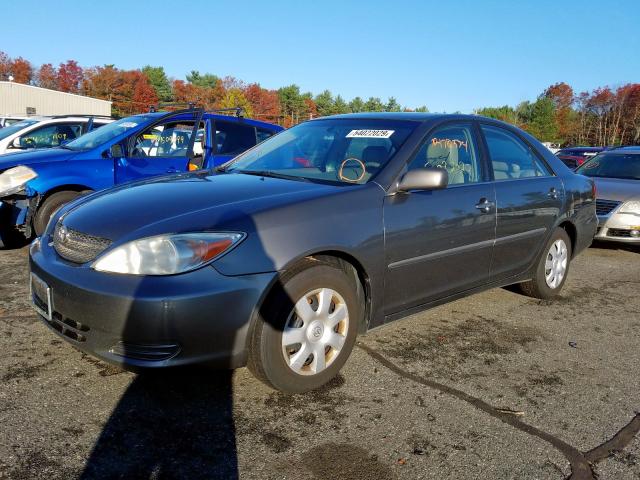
370,133
128,124
448,143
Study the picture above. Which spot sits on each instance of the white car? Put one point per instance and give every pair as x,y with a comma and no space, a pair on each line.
8,120
47,132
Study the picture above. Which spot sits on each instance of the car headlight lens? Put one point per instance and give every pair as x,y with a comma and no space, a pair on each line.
167,254
631,207
12,180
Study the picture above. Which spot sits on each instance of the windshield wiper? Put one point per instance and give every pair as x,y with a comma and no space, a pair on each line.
268,173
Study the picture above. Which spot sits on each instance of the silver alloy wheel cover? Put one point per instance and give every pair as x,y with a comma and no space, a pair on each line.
556,262
313,338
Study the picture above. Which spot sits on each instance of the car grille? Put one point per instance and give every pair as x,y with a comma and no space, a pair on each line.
619,232
77,247
604,207
68,327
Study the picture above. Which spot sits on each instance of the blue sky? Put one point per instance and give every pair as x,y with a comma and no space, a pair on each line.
450,56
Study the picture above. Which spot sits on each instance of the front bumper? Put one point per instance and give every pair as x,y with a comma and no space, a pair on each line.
618,227
149,322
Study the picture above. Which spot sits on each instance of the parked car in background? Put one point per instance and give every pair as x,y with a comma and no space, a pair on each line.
617,176
10,120
34,184
573,157
47,132
278,259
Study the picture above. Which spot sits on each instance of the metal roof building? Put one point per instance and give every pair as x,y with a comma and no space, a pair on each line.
20,99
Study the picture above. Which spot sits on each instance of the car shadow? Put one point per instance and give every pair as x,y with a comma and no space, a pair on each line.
625,247
171,424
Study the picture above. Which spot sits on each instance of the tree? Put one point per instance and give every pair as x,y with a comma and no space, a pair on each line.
70,76
102,82
234,97
5,66
340,106
374,104
159,82
504,113
422,109
264,103
324,103
292,105
542,124
21,70
207,80
392,105
356,105
47,77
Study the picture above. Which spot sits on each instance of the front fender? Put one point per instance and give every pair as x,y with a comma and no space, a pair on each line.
89,174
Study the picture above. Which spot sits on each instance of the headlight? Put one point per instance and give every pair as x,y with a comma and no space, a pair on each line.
12,180
167,254
631,207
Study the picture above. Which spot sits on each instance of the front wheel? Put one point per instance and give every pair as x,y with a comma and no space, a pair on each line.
49,207
552,269
306,329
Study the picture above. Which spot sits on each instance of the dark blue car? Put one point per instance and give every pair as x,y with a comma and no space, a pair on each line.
34,184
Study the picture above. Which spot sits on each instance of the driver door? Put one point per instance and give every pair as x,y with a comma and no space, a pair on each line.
162,148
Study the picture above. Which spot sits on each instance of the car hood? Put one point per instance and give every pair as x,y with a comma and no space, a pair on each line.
617,189
185,203
33,157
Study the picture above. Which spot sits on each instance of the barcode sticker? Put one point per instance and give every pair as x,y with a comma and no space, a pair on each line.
370,133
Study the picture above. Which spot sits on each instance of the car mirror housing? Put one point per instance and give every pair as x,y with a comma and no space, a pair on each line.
427,178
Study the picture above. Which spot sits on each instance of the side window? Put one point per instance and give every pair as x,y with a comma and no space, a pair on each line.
233,138
263,134
451,147
170,139
510,156
51,135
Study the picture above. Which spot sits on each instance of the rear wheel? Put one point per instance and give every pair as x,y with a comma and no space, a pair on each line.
49,207
552,269
306,329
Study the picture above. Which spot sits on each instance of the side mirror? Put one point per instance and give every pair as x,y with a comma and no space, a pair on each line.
427,178
17,143
116,151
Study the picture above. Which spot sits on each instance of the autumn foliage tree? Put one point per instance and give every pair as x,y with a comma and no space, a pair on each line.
70,76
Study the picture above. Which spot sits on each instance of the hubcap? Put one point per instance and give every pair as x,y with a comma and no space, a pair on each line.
555,266
315,331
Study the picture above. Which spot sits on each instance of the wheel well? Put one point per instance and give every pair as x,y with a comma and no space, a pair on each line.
571,231
350,265
64,188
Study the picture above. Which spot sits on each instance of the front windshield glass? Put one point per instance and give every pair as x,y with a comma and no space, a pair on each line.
102,135
340,151
15,128
612,165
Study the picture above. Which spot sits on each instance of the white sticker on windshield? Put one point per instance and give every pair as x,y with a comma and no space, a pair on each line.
370,133
128,124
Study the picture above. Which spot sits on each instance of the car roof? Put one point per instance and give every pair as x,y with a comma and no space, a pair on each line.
583,149
631,149
414,116
214,116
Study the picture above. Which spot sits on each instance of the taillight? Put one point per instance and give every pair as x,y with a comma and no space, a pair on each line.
580,161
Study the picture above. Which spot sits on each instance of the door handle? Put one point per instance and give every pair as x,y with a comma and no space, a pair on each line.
171,170
553,193
485,205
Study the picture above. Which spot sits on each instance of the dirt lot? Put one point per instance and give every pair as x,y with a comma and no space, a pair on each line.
493,386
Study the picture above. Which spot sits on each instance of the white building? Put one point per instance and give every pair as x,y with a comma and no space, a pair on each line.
20,99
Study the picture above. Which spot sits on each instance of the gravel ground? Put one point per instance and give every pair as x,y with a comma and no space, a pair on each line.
496,385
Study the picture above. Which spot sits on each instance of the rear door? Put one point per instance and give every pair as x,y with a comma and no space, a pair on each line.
165,147
440,242
529,198
231,138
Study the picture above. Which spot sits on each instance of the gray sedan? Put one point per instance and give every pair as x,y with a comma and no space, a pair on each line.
279,259
617,176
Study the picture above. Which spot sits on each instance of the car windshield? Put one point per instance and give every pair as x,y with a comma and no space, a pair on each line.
613,165
341,151
15,128
102,135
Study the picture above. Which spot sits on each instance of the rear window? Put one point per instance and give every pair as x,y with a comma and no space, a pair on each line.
612,165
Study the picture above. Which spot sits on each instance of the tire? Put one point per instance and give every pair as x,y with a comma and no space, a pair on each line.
294,311
11,238
49,207
548,282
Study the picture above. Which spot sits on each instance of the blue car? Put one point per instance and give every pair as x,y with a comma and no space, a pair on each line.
36,183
